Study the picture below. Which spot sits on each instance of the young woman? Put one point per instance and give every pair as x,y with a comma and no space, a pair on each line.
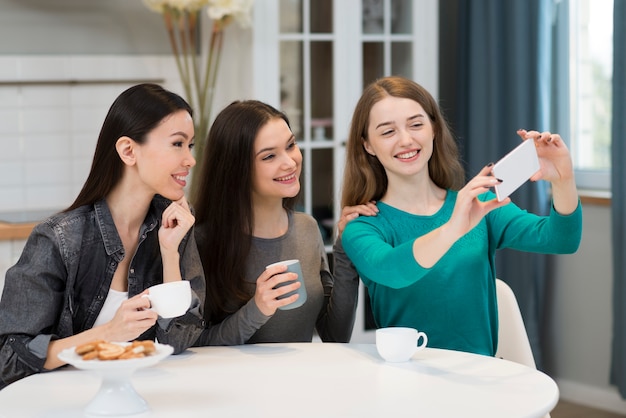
246,221
82,273
427,257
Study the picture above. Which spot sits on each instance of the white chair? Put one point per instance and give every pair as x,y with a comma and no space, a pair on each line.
513,343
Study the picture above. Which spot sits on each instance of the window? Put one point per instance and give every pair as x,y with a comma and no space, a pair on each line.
591,65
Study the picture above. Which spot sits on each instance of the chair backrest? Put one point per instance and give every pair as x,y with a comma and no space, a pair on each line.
513,343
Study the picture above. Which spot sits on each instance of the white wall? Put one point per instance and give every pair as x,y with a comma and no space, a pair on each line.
55,94
58,80
579,317
48,132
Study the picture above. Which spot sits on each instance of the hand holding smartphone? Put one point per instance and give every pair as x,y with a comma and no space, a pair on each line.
515,168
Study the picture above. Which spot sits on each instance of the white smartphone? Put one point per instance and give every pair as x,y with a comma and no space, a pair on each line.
515,168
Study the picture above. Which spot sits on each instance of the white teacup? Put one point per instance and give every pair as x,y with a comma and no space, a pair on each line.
170,299
398,344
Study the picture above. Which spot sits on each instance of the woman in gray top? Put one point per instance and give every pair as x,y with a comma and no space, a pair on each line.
83,271
246,221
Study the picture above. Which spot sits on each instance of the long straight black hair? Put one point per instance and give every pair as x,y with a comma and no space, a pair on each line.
224,215
134,113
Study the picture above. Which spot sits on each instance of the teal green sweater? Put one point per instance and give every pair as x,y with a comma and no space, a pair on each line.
454,301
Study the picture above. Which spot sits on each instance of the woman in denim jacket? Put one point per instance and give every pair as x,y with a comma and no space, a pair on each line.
83,271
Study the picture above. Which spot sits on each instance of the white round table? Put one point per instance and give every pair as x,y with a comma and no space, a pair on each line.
303,380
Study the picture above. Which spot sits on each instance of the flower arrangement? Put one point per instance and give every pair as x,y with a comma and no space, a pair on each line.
182,19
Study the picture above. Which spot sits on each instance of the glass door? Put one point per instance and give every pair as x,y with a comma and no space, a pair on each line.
312,59
306,40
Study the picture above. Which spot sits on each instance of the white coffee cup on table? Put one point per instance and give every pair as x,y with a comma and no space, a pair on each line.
170,299
398,344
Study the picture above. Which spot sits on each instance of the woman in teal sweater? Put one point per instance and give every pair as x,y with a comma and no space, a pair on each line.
428,256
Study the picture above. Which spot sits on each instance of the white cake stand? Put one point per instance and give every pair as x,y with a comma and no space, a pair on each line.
116,396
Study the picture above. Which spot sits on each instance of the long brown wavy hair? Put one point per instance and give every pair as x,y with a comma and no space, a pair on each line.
224,215
364,177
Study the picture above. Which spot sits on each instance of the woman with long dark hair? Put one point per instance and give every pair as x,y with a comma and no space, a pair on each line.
246,221
83,271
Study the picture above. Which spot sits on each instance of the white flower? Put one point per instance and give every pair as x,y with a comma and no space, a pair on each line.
180,5
155,5
239,10
188,5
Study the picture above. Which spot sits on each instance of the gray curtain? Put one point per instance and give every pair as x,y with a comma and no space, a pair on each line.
502,82
618,201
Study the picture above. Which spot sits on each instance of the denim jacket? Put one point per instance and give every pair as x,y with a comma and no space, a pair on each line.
58,286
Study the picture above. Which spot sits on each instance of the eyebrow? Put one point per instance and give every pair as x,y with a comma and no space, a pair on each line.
292,137
410,118
179,133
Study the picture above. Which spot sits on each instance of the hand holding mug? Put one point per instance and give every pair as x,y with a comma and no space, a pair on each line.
272,281
130,320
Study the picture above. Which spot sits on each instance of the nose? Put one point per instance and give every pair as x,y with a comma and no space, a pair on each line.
289,162
405,137
190,161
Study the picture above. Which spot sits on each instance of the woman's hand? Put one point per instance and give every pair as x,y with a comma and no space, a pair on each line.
131,319
556,167
554,157
266,294
467,213
349,213
175,223
468,209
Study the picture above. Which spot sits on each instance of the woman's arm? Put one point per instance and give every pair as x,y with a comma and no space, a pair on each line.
236,329
182,332
239,327
337,318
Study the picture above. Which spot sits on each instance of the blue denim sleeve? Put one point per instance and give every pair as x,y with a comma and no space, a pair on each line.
31,306
182,332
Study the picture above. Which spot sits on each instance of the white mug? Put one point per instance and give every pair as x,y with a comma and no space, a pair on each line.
170,299
398,344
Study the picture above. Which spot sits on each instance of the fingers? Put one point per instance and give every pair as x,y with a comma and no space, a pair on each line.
482,181
132,318
176,221
545,137
273,283
178,214
183,202
277,276
349,213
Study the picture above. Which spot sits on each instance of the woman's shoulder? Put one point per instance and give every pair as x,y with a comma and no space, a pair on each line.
63,227
69,217
303,219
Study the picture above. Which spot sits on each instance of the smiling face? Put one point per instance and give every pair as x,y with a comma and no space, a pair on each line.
164,159
400,134
277,162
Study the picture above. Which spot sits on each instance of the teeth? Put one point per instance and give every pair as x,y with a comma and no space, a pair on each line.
286,178
181,178
408,154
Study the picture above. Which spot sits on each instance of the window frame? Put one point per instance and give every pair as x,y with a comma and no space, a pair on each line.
567,34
